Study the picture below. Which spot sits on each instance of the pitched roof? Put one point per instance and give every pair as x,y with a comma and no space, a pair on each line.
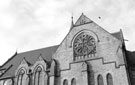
31,56
117,35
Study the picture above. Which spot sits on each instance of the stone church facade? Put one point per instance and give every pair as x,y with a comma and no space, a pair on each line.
88,55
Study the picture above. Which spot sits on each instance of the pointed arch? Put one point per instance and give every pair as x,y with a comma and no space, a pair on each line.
109,79
38,75
100,80
20,76
65,82
73,81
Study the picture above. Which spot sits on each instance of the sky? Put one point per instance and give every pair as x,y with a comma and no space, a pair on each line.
32,24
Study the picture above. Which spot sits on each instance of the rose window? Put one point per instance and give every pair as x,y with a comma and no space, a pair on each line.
84,45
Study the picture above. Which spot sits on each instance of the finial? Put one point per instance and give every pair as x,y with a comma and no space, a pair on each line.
72,22
16,52
72,18
121,33
82,13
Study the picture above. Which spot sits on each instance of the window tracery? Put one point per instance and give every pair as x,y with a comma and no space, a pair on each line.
20,77
37,76
84,44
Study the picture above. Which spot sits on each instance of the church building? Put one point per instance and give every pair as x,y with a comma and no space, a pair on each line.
88,55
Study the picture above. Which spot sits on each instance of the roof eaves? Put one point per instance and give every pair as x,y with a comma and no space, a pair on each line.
5,71
9,59
7,78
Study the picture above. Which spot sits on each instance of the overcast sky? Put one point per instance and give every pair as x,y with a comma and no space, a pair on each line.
32,24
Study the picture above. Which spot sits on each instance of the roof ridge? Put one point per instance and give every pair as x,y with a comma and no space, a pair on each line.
38,49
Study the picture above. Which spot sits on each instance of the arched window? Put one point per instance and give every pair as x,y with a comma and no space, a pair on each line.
65,82
20,77
37,76
73,81
109,79
100,80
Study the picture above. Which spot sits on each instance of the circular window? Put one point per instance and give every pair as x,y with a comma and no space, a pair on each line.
84,44
39,68
22,71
